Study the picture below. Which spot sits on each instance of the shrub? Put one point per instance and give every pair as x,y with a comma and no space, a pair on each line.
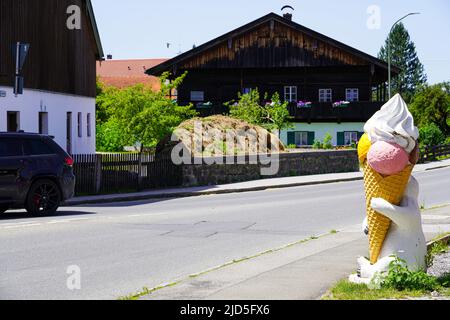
328,142
401,278
431,135
317,145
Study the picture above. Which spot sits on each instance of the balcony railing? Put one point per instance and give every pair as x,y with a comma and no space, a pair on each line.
323,112
355,111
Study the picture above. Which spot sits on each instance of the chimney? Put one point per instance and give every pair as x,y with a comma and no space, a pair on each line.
288,16
288,10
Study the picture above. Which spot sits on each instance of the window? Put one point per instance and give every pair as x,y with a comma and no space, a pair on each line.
69,132
43,122
350,138
13,121
80,124
36,148
197,96
352,95
88,125
301,138
325,95
10,148
290,94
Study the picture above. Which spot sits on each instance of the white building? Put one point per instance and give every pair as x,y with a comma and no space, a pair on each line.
59,72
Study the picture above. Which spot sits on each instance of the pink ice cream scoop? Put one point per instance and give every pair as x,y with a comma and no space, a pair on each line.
387,158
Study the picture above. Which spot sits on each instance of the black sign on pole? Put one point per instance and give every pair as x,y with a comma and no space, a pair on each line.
18,85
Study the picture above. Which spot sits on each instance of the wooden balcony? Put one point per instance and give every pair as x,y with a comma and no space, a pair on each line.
325,112
317,112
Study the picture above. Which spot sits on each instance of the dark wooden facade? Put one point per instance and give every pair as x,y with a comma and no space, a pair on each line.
59,60
271,53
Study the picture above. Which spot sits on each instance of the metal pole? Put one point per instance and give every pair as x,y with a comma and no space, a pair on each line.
16,79
389,51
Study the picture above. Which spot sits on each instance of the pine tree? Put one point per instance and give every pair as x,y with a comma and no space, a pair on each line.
404,56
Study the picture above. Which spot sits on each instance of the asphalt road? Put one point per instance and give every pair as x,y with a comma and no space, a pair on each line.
120,248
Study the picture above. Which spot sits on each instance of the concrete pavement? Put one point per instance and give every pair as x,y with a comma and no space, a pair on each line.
303,271
258,185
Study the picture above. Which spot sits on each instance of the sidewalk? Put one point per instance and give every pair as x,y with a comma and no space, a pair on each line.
257,185
304,271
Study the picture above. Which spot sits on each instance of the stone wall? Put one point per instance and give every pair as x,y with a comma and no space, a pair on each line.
290,164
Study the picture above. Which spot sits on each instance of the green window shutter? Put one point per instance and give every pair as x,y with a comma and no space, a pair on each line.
311,138
291,138
340,138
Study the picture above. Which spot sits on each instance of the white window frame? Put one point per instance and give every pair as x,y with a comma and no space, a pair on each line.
301,138
351,136
352,94
326,95
290,93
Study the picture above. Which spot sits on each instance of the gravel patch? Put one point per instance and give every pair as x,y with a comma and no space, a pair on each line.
441,265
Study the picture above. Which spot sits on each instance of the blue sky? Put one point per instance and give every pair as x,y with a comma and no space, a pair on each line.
141,28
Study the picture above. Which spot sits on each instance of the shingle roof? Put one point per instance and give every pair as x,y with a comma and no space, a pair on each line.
126,73
168,65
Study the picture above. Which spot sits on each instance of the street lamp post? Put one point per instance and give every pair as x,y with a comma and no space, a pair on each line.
389,50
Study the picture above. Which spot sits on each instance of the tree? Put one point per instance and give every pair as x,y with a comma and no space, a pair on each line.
139,115
431,105
271,115
404,56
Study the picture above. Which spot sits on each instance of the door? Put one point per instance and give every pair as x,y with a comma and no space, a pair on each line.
69,133
11,165
13,124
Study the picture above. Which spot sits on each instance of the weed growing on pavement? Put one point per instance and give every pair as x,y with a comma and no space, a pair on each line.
438,248
400,278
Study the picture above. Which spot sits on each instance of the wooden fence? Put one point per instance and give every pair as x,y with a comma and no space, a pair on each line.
116,173
432,153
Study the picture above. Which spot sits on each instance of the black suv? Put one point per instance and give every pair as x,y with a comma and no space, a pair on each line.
35,173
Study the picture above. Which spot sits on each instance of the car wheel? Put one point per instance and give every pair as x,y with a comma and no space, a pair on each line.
43,198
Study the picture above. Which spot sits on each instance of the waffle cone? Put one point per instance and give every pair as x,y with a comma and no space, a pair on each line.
392,189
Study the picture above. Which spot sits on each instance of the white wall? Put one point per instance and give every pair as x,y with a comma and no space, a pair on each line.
321,129
57,105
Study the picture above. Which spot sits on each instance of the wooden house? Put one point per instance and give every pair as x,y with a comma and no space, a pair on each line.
344,86
59,71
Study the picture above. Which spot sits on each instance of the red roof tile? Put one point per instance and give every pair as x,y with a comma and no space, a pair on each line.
127,73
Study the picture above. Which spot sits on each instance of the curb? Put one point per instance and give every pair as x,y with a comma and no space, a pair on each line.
187,194
174,195
445,239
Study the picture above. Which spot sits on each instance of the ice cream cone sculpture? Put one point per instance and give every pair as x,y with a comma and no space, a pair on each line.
388,152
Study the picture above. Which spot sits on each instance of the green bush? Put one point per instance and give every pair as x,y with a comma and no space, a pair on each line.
431,135
401,278
317,145
292,146
328,142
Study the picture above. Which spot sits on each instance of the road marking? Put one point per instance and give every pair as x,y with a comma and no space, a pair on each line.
18,223
23,226
435,217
